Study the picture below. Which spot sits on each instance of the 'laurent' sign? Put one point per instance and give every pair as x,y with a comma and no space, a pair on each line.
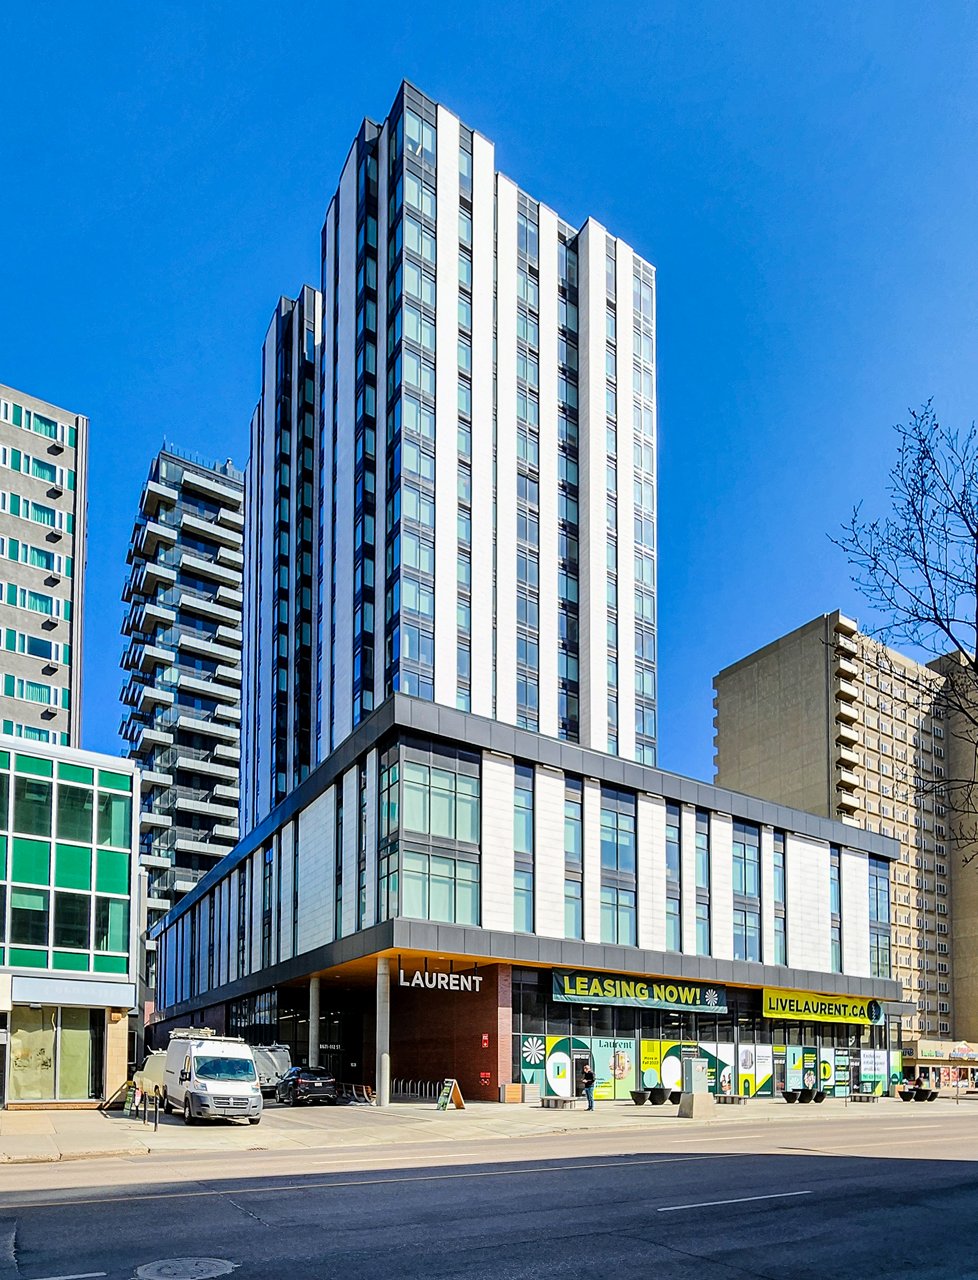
440,981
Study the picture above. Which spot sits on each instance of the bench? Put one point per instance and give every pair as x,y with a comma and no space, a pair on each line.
559,1104
864,1097
733,1097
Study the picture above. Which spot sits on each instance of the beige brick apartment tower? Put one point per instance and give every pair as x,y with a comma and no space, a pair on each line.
828,720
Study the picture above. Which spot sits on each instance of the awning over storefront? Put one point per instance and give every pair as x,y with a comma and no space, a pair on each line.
955,1053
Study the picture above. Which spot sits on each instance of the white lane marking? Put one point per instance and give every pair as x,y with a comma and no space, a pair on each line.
533,1170
77,1275
709,1204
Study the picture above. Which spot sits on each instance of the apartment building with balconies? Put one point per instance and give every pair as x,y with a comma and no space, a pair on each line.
43,484
829,720
183,670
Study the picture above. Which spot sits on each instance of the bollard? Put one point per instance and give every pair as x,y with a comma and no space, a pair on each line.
145,1108
156,1110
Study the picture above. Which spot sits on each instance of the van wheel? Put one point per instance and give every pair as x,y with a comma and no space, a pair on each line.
188,1115
164,1103
254,1119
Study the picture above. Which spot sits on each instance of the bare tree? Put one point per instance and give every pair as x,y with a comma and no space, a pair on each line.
918,568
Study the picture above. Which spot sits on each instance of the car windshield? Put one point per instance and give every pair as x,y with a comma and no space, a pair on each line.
225,1069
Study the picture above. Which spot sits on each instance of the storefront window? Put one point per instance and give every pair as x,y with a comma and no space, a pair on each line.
32,1037
75,1054
56,1054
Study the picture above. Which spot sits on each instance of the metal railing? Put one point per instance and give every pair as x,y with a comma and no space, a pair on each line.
416,1090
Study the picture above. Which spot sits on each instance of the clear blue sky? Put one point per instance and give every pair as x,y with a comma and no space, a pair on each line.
804,179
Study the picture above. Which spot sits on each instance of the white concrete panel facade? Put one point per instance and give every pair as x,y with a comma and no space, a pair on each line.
549,851
446,400
497,834
483,401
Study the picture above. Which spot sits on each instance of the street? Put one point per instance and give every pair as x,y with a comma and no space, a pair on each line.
892,1193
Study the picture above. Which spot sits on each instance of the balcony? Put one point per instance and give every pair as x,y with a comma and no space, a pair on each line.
843,667
214,532
151,535
847,756
195,563
847,779
178,880
846,645
845,802
847,690
844,734
845,626
846,711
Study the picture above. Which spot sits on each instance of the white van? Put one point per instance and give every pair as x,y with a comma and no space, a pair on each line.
208,1075
272,1061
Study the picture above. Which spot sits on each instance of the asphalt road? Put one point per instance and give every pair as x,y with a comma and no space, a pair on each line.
785,1202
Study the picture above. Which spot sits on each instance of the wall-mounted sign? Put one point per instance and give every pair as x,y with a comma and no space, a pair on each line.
440,981
574,987
809,1006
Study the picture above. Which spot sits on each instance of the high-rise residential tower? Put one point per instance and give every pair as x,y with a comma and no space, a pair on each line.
183,668
473,880
281,538
485,465
43,475
829,720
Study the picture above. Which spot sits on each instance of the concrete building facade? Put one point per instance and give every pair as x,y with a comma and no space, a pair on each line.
831,721
450,896
183,670
43,487
68,833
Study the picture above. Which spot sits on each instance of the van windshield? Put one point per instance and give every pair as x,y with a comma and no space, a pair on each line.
225,1069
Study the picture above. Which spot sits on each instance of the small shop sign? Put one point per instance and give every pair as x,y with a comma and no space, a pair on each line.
575,987
809,1006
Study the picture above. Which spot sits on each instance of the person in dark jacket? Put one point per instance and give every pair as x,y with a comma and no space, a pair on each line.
587,1079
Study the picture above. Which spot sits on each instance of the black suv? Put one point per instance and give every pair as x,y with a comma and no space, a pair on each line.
306,1084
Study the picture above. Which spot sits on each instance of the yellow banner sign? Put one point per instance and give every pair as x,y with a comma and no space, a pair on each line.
809,1006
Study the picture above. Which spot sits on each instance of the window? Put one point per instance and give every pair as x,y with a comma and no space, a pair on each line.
440,887
779,868
746,859
618,916
440,803
673,848
747,934
673,925
523,811
523,901
617,832
702,851
702,928
780,940
573,909
573,822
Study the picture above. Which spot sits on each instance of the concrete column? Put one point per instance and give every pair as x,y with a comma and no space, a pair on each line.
314,1022
382,1078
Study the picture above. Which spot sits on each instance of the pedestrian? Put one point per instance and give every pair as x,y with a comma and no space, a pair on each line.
587,1079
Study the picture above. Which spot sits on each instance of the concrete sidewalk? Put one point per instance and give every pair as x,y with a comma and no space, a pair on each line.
40,1136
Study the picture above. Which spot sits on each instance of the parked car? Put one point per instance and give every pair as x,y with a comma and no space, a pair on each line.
272,1061
306,1084
149,1077
207,1075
